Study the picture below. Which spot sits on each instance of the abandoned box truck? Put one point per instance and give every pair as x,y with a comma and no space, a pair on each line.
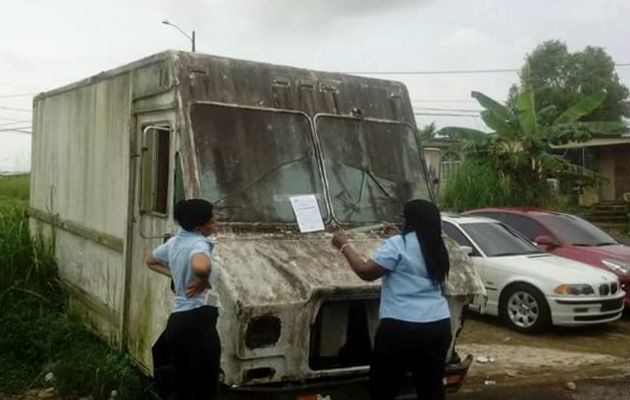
113,153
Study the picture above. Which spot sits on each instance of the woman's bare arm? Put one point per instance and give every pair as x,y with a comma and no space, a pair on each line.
367,270
154,265
201,267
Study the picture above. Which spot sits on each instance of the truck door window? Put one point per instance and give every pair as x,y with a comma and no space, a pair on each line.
251,161
155,168
179,192
373,168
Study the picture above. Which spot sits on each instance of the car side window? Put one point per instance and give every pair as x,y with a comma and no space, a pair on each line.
526,226
454,233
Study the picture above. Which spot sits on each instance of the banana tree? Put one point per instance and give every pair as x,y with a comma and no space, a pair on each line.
522,146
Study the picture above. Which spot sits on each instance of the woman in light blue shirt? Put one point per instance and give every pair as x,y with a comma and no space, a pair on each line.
414,331
191,337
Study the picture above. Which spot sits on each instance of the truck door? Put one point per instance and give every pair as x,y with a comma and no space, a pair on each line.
148,295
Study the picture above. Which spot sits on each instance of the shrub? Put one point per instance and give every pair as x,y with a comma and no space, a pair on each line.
37,335
477,185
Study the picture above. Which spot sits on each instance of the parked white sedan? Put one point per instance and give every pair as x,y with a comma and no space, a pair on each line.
529,289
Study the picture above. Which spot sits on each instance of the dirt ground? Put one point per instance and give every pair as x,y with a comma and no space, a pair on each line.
608,388
529,367
595,358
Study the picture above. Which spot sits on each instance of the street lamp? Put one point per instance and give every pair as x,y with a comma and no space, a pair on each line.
192,38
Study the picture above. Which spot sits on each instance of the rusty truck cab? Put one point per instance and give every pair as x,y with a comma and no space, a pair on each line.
247,137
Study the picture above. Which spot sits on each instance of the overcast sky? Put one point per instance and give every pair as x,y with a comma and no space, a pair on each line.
49,43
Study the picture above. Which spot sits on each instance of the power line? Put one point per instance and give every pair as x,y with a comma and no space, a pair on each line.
448,101
15,128
447,109
446,115
16,131
450,72
5,96
14,120
443,101
444,72
19,87
15,109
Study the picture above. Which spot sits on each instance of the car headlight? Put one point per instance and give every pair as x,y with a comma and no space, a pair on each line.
574,289
620,268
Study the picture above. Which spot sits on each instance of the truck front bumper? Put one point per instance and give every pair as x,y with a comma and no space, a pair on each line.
347,388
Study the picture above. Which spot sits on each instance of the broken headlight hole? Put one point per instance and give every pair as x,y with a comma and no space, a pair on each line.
259,373
342,334
263,331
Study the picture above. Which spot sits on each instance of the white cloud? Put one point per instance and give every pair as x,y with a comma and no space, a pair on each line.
48,43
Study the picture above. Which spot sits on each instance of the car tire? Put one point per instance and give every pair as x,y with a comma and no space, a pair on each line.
525,308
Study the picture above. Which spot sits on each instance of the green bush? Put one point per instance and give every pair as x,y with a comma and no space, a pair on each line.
477,185
37,335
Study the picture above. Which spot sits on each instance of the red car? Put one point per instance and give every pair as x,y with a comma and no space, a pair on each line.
568,236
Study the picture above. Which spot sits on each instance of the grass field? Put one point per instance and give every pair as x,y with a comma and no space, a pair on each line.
14,187
37,336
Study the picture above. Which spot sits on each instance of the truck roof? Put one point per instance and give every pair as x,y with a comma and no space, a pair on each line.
176,54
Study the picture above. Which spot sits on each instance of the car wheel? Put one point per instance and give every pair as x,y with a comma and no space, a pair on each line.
525,309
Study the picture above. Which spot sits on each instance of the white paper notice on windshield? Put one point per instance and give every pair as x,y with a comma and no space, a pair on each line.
307,213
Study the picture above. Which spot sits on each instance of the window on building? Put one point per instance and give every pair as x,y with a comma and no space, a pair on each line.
449,166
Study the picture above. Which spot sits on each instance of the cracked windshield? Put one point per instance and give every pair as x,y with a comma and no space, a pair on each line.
372,167
252,161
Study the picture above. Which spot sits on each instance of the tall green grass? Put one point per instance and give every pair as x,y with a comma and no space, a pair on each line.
477,185
15,186
37,335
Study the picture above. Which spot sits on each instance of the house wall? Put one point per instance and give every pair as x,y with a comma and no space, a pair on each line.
614,165
622,170
607,170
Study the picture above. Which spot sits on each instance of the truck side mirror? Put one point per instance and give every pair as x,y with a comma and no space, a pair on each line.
546,241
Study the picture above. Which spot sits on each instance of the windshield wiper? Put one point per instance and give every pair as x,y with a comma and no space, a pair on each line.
582,244
240,191
379,185
606,244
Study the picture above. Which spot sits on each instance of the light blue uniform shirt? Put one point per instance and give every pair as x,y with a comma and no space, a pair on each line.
407,293
176,254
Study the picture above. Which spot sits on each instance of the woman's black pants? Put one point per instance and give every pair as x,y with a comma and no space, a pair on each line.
193,349
401,347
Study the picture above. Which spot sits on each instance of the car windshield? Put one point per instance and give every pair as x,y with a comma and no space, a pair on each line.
496,239
251,161
372,168
577,231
